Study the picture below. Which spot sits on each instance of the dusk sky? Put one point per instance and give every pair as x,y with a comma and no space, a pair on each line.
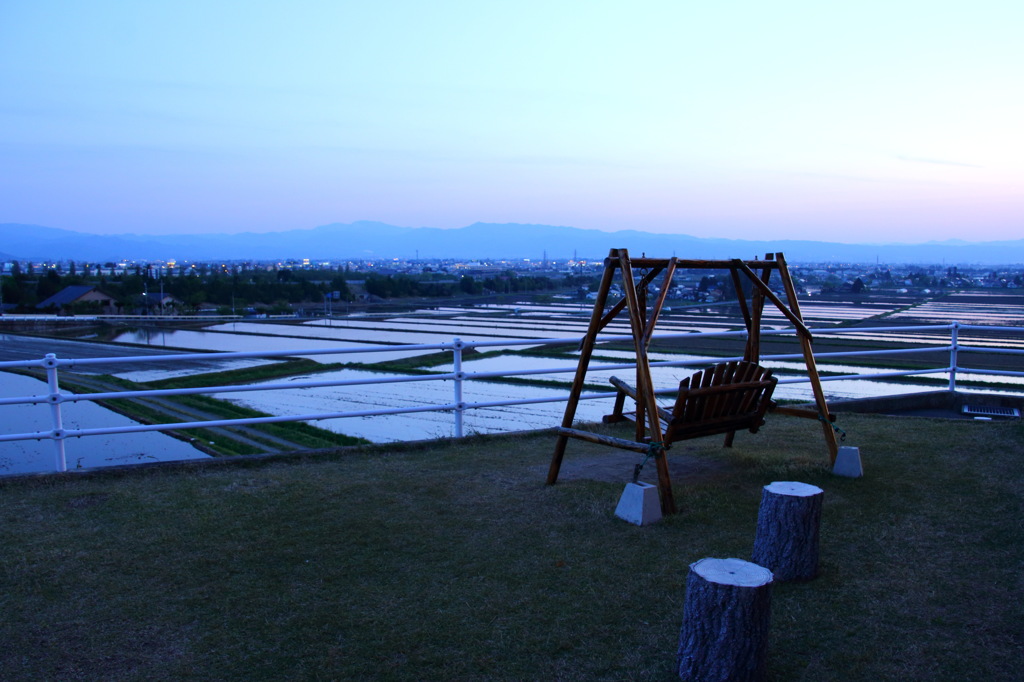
868,121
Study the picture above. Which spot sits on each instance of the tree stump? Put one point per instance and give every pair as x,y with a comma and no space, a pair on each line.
787,530
725,621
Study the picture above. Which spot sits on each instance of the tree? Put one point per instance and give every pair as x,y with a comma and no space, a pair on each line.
49,285
341,286
831,284
10,291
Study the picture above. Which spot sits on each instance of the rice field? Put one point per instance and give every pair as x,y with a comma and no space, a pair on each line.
417,425
32,456
514,323
973,308
494,324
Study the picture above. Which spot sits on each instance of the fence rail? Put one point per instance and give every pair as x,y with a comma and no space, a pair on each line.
56,399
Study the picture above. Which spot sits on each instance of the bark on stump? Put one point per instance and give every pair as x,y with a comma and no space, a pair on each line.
787,530
724,636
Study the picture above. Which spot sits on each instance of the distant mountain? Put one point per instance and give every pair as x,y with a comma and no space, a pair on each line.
362,240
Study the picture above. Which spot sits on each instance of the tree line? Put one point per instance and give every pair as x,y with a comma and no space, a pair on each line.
444,285
135,289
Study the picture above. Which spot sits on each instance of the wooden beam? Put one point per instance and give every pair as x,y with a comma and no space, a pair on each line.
656,311
602,439
812,367
621,304
793,317
631,392
752,352
741,298
637,313
690,264
586,350
645,390
799,412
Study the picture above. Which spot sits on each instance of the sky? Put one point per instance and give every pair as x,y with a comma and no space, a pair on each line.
869,121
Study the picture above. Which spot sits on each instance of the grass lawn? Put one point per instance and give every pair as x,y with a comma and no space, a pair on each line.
454,561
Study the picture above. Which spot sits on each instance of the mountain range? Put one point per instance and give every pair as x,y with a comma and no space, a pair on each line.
374,240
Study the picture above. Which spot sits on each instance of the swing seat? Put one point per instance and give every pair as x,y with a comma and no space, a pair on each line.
725,398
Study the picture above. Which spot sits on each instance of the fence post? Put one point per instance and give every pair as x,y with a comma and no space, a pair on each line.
457,347
50,363
954,340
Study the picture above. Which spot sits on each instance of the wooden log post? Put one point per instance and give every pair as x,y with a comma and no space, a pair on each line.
725,621
788,525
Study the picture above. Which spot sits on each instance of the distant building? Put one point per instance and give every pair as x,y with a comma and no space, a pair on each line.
164,302
80,298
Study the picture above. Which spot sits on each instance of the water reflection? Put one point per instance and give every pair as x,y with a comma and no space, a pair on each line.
422,425
440,325
22,457
186,339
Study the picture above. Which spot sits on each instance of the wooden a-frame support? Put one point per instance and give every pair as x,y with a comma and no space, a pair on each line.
634,301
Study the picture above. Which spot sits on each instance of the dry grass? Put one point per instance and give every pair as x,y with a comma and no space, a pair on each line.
454,561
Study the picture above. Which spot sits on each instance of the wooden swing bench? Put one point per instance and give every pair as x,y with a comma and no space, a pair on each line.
728,397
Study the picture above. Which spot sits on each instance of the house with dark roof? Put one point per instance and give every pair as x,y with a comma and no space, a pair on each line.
82,298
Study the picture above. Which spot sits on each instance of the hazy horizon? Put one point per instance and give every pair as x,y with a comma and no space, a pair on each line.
273,230
872,123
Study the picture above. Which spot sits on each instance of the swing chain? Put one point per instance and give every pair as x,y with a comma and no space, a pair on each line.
643,277
653,450
842,434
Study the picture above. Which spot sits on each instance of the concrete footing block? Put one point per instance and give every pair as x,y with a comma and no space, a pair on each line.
639,504
848,463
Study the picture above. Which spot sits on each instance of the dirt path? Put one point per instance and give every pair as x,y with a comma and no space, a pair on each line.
616,466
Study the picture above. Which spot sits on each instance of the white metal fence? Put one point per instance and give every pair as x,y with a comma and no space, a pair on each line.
954,350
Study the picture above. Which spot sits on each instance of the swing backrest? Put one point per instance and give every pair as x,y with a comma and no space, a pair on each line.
727,397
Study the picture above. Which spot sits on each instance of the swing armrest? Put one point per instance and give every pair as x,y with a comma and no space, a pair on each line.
625,389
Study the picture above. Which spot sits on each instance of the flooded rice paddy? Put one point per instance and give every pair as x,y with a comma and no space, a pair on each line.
418,425
235,342
33,456
522,322
517,324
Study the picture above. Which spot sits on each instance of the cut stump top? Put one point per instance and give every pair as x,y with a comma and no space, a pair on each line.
793,489
735,572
